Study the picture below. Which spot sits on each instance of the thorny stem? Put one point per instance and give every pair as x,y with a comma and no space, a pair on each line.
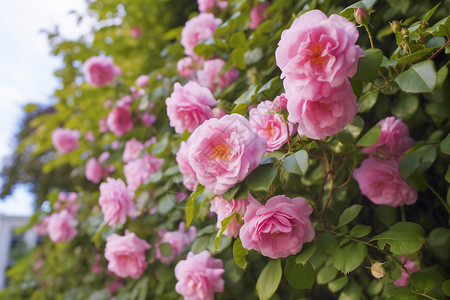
440,49
289,139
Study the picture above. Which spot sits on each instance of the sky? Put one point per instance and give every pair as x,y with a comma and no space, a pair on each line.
27,67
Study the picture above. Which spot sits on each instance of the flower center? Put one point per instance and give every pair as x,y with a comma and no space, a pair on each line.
270,130
316,57
220,151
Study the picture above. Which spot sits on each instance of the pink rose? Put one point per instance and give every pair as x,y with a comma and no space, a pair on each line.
142,81
136,32
317,54
178,240
279,228
324,116
257,15
197,29
411,266
224,209
270,126
61,226
102,126
100,70
65,140
394,139
211,77
116,201
381,182
119,121
189,178
185,67
135,93
126,254
114,286
280,103
89,136
95,171
132,150
223,152
67,201
199,276
208,5
148,119
96,268
125,102
41,228
138,170
189,106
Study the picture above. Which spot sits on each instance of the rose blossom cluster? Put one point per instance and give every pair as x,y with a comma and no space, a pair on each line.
116,201
269,125
137,171
95,171
317,55
207,73
100,70
208,5
221,153
65,140
189,106
67,201
126,255
178,240
378,176
225,209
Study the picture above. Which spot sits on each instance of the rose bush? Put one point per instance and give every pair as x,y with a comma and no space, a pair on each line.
306,142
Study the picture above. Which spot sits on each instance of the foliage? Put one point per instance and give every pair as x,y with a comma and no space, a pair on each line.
405,74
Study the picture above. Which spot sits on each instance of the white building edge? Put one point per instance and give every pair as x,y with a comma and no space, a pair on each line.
8,239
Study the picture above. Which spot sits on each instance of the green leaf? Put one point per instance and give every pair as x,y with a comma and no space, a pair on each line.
237,56
441,28
262,177
445,145
166,249
190,204
97,238
367,101
427,156
297,163
239,254
337,284
349,214
223,227
408,165
368,65
237,39
299,276
30,107
269,279
420,78
349,257
404,107
446,287
326,274
430,13
241,109
360,230
371,136
403,237
307,251
422,282
349,11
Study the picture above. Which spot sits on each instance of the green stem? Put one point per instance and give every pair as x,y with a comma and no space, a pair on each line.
447,208
370,35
